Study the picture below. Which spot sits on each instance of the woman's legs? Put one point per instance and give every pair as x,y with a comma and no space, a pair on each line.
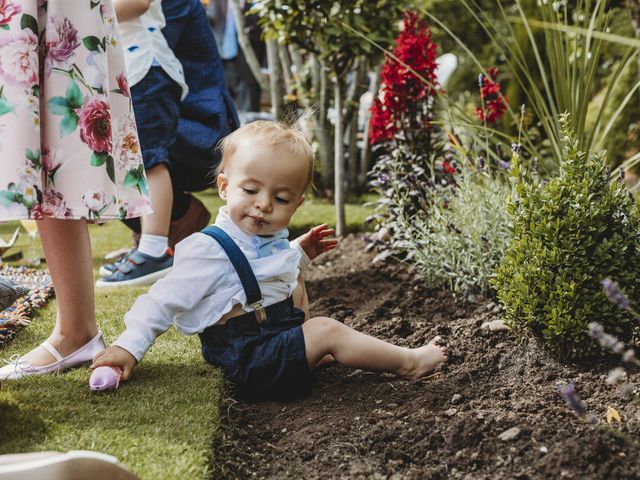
67,248
323,335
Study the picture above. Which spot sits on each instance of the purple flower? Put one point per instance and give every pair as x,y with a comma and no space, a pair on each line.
481,163
571,398
615,295
503,164
480,80
621,174
606,341
516,148
61,42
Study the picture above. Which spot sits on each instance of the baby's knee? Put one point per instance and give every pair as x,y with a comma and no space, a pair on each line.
325,326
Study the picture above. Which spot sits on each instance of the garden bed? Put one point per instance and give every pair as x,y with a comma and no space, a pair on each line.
363,425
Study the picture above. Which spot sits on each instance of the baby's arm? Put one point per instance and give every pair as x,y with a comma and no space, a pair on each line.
199,267
130,9
315,241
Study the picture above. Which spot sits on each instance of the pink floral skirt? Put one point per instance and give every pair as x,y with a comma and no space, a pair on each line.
68,141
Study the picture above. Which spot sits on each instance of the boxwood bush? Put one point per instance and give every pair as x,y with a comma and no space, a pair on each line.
570,233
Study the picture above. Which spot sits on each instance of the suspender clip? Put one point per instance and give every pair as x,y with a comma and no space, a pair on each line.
261,314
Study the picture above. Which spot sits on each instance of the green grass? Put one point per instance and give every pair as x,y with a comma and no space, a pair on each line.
163,424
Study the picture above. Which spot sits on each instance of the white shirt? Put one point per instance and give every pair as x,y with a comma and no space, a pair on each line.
144,46
203,286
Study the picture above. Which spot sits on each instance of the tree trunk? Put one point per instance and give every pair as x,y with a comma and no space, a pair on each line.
245,45
352,117
285,61
323,133
365,157
275,79
339,159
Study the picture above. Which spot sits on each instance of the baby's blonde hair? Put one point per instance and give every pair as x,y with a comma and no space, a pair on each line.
270,134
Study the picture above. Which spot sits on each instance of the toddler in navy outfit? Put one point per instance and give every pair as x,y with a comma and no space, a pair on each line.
237,283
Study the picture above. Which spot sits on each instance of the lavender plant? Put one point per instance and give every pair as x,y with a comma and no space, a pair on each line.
462,240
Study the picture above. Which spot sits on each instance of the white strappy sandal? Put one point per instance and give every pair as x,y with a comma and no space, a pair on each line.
17,367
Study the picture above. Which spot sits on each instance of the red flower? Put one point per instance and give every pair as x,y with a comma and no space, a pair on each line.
95,125
447,167
494,105
123,84
8,10
405,96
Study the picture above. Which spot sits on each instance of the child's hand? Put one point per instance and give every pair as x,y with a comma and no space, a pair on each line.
116,357
315,242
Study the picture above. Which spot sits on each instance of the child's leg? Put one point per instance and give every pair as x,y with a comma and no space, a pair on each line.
161,191
323,335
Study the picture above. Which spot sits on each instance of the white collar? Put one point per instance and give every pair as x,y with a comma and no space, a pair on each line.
224,221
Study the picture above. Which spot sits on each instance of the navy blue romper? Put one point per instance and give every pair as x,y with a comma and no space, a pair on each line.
262,352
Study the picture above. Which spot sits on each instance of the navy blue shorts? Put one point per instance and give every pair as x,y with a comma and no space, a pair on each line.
156,104
263,360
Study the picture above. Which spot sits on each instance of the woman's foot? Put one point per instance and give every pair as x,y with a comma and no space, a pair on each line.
49,358
425,359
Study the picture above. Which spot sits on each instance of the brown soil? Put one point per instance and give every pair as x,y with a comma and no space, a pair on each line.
364,425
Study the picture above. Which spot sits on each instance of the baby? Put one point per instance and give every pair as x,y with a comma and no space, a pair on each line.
238,285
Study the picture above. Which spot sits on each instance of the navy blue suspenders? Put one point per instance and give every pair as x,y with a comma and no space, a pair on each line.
243,269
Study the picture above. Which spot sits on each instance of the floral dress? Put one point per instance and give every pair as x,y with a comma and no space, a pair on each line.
68,141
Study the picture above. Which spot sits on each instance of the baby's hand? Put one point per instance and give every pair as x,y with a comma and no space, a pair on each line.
315,242
116,357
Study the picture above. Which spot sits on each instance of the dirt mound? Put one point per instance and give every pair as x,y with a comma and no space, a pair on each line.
492,412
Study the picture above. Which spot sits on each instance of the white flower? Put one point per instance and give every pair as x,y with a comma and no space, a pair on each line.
95,72
94,200
127,148
28,175
29,192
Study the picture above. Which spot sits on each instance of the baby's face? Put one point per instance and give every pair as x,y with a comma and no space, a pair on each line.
263,188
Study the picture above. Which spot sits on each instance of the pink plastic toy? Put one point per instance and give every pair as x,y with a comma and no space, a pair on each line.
105,378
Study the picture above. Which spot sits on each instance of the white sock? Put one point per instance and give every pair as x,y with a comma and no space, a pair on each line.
153,245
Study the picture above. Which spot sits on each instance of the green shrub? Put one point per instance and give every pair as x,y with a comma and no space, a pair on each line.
569,234
461,242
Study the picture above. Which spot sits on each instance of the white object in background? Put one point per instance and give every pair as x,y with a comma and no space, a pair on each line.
73,465
447,64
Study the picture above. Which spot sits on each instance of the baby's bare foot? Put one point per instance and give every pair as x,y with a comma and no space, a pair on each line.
426,358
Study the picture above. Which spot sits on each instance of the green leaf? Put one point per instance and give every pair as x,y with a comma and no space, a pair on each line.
92,43
4,27
7,198
27,21
59,106
33,157
99,158
69,123
94,4
5,107
74,97
111,170
131,179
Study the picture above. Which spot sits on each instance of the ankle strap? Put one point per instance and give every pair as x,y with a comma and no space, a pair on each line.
52,350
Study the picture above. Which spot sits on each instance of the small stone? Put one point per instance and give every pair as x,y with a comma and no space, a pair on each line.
497,326
451,412
456,399
510,434
544,449
284,430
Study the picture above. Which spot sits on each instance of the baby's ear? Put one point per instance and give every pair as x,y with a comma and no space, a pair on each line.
222,182
300,201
